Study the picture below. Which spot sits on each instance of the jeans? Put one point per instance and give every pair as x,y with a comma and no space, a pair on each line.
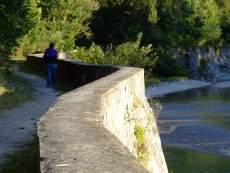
51,74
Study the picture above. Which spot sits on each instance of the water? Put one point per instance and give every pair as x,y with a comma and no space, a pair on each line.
196,130
181,160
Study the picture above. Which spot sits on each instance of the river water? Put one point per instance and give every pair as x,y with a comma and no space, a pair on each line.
195,130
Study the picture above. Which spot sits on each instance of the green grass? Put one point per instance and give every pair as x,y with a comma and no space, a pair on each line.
14,90
25,160
157,80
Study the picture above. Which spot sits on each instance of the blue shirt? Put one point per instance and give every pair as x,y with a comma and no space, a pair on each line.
50,55
50,52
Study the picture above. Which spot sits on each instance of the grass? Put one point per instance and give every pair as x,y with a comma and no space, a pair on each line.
14,90
157,80
25,160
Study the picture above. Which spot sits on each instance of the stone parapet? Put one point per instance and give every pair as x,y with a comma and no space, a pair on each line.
94,128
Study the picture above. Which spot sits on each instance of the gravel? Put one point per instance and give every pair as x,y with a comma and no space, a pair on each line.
18,125
190,131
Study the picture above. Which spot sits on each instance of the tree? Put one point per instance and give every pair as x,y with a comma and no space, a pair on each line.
119,21
224,14
206,22
60,22
187,23
175,23
17,18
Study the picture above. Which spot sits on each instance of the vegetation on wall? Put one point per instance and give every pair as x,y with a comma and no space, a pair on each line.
142,149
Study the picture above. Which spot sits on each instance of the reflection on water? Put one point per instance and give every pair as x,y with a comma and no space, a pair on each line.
189,161
201,118
213,104
202,94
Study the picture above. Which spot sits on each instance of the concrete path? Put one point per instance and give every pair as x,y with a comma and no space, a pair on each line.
18,125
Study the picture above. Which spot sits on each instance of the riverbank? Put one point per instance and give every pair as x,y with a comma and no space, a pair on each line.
175,86
194,125
199,124
163,88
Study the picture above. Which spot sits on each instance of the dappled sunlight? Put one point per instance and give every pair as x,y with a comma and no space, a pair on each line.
2,90
14,90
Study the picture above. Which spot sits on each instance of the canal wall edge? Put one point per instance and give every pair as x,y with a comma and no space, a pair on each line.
96,127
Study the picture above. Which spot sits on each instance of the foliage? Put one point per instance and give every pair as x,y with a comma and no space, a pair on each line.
175,23
224,14
132,54
13,90
60,22
116,22
94,54
104,31
207,24
17,18
129,53
182,23
158,80
203,65
142,150
168,66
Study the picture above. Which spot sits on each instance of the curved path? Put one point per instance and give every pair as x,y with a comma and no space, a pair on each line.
18,125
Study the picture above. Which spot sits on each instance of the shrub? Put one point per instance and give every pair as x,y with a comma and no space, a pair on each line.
129,53
169,66
203,65
94,54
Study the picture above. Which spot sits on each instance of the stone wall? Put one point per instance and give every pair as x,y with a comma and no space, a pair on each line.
72,72
73,135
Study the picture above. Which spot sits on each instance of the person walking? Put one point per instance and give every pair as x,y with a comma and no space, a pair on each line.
51,58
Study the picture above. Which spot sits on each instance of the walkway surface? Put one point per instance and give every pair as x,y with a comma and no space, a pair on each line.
18,125
100,151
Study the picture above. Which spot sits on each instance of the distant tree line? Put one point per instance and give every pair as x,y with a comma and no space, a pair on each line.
130,32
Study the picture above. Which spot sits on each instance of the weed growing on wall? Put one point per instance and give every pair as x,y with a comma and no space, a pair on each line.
142,149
